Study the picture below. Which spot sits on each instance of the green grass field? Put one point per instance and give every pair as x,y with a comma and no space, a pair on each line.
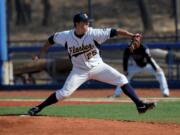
165,112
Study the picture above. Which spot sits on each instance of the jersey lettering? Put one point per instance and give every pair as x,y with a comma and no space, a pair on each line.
91,54
76,51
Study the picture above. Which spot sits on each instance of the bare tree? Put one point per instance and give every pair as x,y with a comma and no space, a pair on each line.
23,11
46,12
10,7
145,15
28,9
173,8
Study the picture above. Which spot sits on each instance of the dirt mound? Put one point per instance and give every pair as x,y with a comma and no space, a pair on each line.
44,125
40,125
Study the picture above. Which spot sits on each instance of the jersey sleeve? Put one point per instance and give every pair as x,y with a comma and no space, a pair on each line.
60,38
126,56
113,33
150,59
101,35
51,39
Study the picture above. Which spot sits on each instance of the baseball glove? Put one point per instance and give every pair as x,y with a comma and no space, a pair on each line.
135,43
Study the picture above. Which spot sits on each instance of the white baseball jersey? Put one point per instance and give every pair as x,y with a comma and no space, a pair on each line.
87,63
83,51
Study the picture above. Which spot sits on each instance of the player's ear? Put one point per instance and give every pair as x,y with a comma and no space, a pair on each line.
74,25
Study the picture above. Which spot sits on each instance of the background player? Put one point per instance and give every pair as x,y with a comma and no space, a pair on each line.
143,63
81,44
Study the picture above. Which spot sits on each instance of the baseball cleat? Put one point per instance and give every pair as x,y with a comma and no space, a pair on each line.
165,95
145,107
113,96
33,111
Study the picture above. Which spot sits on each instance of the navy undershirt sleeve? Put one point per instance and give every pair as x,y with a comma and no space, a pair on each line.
126,56
51,39
149,59
113,33
151,62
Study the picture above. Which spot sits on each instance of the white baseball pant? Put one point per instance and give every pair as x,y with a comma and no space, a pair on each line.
134,69
102,72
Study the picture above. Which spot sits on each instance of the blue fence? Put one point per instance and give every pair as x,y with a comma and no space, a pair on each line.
23,48
173,83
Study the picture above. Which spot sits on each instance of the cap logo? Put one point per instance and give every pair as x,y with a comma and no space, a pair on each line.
85,15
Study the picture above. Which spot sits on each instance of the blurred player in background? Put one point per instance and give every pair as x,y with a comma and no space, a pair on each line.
143,62
82,45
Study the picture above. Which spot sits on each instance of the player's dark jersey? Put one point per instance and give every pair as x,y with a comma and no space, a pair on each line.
140,55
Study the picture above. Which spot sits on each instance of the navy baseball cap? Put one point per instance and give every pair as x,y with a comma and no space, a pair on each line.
80,17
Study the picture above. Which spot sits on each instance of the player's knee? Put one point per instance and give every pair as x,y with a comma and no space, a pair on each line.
62,94
123,80
161,73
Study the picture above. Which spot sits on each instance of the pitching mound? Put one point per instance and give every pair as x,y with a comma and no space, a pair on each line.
43,125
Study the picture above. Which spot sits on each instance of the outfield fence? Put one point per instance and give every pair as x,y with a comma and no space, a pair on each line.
52,71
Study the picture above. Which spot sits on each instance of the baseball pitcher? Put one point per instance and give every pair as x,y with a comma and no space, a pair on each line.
82,45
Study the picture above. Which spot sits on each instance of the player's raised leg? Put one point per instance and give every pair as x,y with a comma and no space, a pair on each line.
116,93
74,80
132,70
160,78
163,83
106,73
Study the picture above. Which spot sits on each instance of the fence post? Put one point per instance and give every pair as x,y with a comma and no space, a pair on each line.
90,12
170,64
3,41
